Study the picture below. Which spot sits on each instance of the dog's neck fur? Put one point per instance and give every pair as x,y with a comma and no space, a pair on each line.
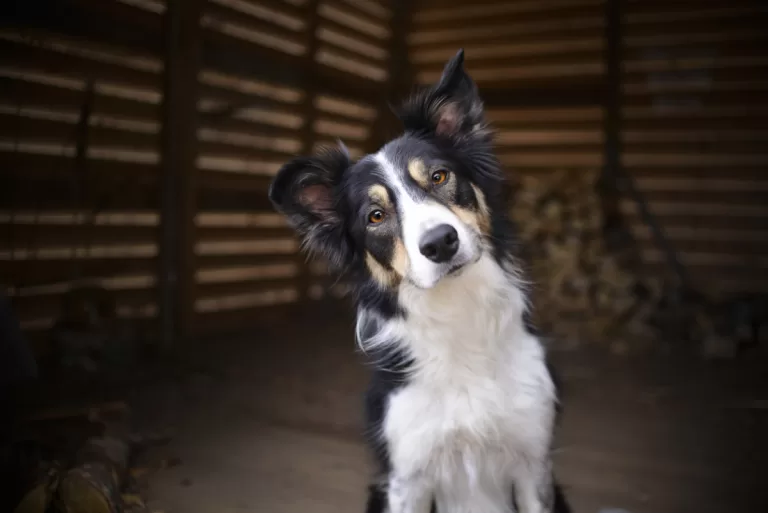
460,324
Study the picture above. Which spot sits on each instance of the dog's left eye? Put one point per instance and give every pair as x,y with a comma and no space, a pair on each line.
376,216
439,176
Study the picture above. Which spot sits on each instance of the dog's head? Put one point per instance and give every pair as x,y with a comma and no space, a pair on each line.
421,209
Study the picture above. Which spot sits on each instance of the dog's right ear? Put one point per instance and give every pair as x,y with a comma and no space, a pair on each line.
451,108
306,191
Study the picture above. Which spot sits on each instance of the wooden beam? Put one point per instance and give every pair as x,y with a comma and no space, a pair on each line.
179,174
400,77
309,115
614,179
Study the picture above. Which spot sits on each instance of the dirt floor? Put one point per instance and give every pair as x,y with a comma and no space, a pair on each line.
271,422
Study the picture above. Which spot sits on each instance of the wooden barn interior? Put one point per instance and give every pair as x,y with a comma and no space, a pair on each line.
177,328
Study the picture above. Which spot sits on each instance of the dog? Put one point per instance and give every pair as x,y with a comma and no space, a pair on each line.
461,406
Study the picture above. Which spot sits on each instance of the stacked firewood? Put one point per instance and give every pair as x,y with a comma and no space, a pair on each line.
585,291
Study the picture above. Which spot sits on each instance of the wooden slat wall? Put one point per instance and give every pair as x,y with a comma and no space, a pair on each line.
694,117
248,257
517,45
694,135
50,238
63,224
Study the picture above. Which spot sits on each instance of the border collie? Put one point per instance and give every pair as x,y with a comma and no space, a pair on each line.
461,407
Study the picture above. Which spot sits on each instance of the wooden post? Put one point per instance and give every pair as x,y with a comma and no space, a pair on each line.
309,115
400,78
615,181
609,178
176,284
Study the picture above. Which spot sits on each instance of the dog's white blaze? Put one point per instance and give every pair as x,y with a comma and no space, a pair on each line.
477,414
416,218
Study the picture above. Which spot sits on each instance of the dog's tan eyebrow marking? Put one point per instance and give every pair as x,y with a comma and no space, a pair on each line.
379,195
418,171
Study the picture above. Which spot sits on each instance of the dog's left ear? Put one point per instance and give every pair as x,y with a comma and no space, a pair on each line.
306,190
451,108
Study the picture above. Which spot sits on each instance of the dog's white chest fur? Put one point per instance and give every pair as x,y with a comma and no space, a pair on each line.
479,406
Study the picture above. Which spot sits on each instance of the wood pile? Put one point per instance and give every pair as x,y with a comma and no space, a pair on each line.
585,292
83,460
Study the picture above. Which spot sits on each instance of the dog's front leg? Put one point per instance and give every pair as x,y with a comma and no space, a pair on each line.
534,491
409,494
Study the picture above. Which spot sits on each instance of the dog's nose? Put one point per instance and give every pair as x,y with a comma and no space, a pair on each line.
440,243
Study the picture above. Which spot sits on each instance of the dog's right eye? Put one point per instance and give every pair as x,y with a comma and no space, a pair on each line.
376,216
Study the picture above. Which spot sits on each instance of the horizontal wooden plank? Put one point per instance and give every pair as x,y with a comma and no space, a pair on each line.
714,247
507,32
694,92
223,148
21,128
247,183
252,127
269,10
684,14
269,30
694,160
41,59
478,17
724,148
725,25
343,30
674,63
248,318
381,9
699,218
476,65
349,63
340,14
446,12
212,290
33,236
548,159
646,91
578,93
234,200
235,234
670,116
108,182
33,272
528,138
745,198
24,93
250,272
722,182
718,279
480,52
345,42
213,261
687,38
703,234
695,259
643,120
677,209
530,73
63,190
694,136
